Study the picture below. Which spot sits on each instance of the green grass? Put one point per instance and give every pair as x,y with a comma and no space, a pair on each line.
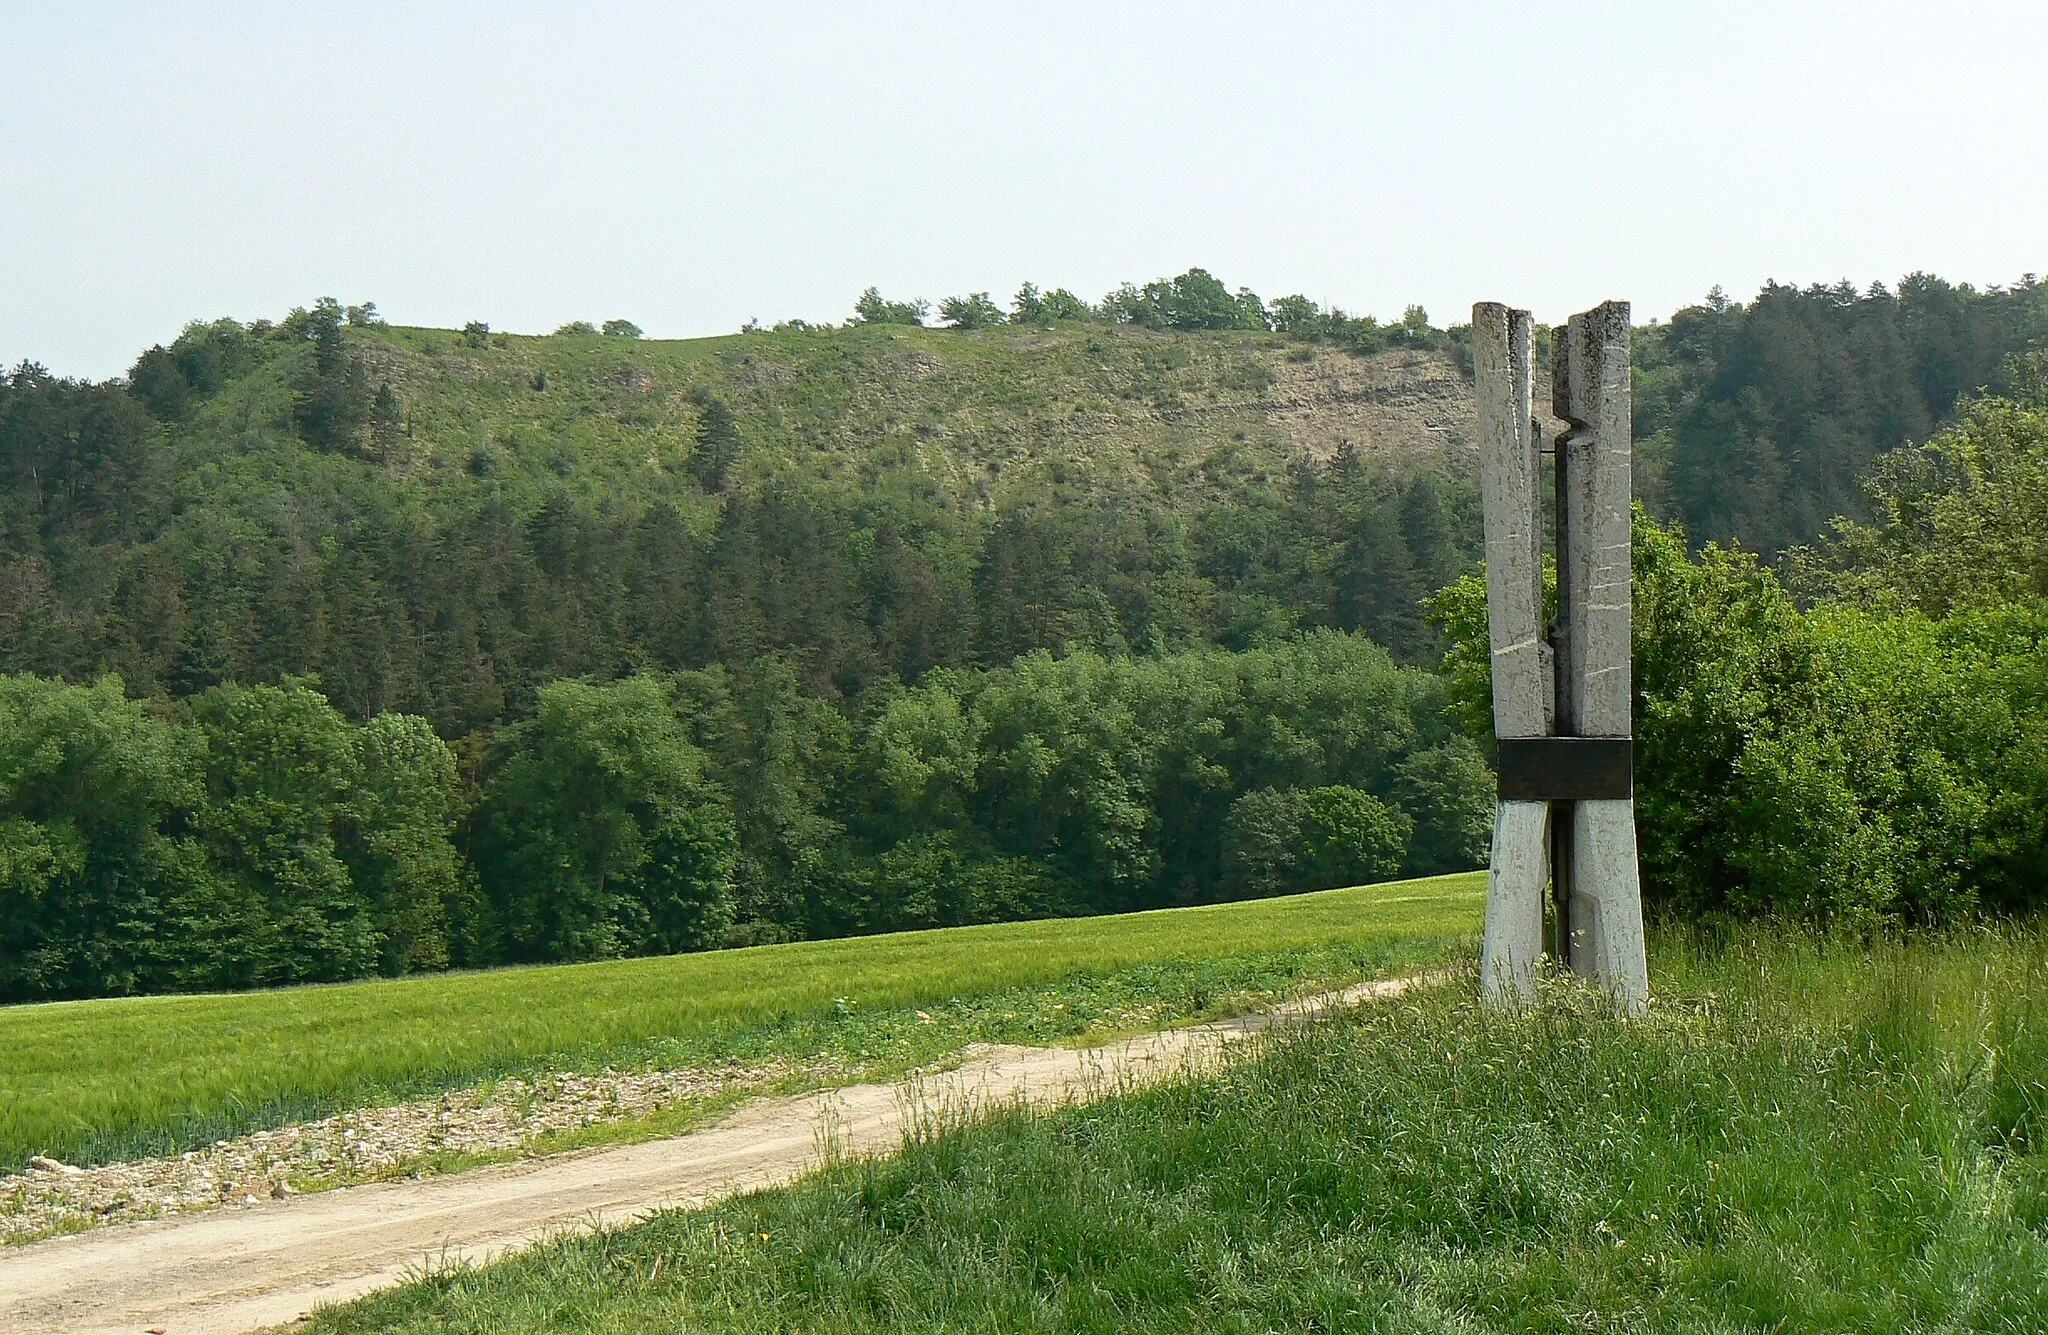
95,1081
1802,1136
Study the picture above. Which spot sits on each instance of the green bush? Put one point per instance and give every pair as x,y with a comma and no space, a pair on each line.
599,835
872,309
394,839
1280,842
1831,763
1352,838
1034,307
1194,300
280,764
95,874
973,311
1262,842
265,840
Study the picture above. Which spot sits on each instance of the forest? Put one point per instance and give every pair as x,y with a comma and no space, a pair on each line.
337,649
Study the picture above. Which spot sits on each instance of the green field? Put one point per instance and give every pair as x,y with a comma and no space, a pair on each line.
1801,1136
93,1081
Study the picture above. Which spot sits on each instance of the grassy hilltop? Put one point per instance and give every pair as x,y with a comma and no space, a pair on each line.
434,521
977,413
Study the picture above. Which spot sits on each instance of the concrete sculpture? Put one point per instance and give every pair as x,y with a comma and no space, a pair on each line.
1561,702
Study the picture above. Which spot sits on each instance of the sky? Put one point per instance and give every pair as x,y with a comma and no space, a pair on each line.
691,167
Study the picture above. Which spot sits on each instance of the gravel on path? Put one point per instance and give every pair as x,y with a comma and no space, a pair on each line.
361,1145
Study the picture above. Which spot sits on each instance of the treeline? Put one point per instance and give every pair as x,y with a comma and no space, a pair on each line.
257,837
1193,301
1754,422
253,836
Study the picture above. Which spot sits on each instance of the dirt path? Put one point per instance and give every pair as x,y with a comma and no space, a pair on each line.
232,1271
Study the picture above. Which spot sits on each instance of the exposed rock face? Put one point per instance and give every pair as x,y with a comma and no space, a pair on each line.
1394,407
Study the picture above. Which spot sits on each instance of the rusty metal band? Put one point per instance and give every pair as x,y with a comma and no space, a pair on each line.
1567,769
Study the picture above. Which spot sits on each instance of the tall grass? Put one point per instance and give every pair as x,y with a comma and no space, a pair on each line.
1803,1135
100,1080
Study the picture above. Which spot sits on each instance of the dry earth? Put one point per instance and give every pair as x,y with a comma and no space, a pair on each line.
270,1261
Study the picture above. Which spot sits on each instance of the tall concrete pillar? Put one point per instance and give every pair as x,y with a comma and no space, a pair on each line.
1503,354
1561,714
1590,391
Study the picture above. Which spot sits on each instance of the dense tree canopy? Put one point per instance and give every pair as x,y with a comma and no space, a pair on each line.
254,836
259,838
1961,521
1755,421
599,833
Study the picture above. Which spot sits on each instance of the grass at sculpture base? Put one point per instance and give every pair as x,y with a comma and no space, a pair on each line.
99,1081
1802,1135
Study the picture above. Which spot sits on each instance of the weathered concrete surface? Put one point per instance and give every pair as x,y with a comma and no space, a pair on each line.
1516,879
228,1272
1585,690
1591,392
1509,471
1510,475
1607,901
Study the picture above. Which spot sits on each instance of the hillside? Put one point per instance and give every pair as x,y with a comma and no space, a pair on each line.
436,522
969,409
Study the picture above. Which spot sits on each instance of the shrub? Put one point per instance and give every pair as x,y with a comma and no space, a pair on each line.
1194,300
91,861
1278,842
1262,849
871,309
1448,790
1835,763
973,311
1034,307
1351,837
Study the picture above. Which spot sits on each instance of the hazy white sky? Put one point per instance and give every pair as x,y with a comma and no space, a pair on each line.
688,167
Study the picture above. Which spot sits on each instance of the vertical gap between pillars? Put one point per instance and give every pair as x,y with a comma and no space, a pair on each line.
1561,883
1563,724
